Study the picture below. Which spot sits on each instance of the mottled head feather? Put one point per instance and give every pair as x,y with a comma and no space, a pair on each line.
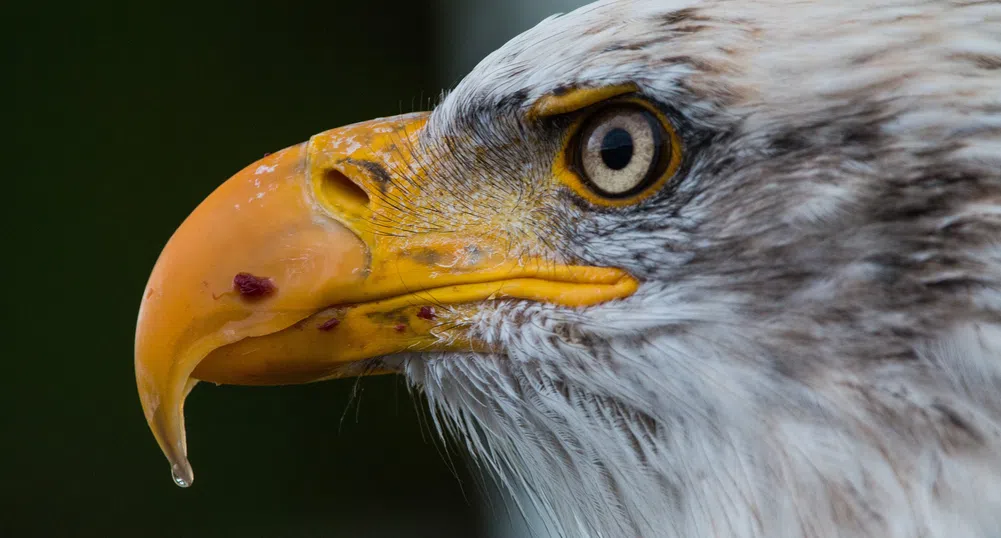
815,349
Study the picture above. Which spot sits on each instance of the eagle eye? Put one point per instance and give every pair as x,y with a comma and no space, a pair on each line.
621,152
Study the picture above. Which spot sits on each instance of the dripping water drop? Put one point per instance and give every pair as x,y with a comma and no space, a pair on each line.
181,478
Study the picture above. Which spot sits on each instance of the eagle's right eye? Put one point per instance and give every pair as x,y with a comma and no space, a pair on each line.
622,152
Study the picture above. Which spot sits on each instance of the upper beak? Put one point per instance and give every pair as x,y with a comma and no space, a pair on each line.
316,257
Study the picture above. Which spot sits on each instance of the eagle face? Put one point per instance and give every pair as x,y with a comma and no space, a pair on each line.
672,268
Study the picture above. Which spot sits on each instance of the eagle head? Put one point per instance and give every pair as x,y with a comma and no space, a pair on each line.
673,268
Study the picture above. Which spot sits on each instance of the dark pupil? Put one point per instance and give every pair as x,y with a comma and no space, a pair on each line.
617,149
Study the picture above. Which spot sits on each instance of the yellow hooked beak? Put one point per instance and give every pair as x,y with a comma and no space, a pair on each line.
320,256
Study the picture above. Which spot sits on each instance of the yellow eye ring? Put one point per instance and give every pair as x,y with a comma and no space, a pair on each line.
619,154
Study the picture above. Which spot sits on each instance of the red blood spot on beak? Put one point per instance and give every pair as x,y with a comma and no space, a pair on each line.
427,313
330,324
253,287
400,328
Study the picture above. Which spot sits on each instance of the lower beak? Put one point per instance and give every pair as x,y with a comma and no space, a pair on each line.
317,257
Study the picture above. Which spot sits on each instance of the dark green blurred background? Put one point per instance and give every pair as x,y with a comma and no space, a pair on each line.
125,116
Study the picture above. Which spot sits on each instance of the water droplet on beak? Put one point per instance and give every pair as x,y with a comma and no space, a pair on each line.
181,475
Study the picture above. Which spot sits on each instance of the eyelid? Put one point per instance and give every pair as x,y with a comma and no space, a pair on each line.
554,104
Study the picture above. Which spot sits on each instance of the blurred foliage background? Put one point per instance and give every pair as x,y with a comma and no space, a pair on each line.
125,116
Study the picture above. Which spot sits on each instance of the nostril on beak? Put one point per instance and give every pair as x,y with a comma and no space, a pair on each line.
338,186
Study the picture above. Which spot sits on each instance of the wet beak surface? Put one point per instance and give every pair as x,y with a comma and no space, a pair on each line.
280,277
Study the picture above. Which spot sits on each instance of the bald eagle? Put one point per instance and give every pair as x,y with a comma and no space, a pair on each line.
727,268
